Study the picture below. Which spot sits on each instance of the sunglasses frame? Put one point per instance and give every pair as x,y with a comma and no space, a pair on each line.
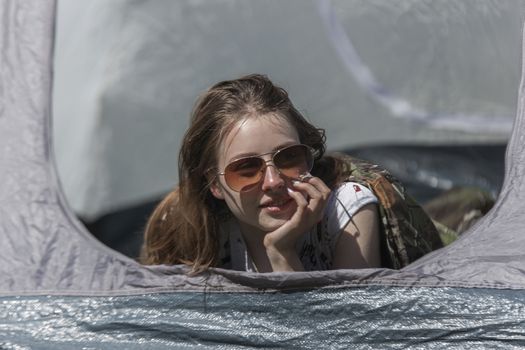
274,153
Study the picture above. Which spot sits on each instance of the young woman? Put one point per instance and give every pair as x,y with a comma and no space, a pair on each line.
246,199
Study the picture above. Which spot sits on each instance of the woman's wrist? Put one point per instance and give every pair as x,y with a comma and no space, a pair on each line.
284,259
272,242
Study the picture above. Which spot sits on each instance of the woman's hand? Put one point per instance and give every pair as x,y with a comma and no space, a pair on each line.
311,197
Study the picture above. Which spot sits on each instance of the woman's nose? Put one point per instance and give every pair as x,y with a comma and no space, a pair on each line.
272,179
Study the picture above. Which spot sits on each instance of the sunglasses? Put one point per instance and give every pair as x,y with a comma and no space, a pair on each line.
244,174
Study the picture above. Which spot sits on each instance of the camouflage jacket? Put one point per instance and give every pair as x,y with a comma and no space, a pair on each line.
407,232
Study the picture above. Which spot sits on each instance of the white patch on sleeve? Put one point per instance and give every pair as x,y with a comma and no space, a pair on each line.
344,202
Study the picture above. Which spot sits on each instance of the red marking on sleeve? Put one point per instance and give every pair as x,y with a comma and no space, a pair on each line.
357,188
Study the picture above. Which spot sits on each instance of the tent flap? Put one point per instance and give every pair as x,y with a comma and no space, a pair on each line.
61,288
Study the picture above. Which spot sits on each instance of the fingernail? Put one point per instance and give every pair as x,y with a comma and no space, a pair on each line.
289,190
295,182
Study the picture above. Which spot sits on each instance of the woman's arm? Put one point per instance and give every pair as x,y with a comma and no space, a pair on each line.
358,244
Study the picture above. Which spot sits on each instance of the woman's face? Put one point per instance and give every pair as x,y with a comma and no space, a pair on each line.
266,206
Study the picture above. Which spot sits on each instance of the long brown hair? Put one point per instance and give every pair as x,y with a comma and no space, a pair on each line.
184,228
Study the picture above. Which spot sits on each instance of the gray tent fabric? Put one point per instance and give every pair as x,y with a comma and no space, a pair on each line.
368,72
62,289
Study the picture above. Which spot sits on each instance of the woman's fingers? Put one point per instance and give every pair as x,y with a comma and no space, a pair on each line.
314,187
299,198
315,194
320,185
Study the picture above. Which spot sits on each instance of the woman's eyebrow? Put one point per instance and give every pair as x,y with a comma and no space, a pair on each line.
284,145
253,154
243,155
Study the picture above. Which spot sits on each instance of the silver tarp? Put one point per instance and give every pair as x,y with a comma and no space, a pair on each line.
62,289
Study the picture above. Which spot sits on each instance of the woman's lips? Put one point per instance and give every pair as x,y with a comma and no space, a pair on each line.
278,206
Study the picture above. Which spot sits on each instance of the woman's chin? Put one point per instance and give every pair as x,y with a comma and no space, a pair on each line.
272,224
271,220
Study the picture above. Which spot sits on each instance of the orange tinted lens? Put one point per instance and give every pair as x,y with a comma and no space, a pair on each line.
294,161
243,174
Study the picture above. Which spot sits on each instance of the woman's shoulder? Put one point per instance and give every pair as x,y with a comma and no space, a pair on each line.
345,201
351,196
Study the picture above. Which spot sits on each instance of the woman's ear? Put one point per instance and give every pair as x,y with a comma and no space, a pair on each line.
216,190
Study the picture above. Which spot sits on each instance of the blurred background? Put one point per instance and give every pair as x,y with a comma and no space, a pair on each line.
427,89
